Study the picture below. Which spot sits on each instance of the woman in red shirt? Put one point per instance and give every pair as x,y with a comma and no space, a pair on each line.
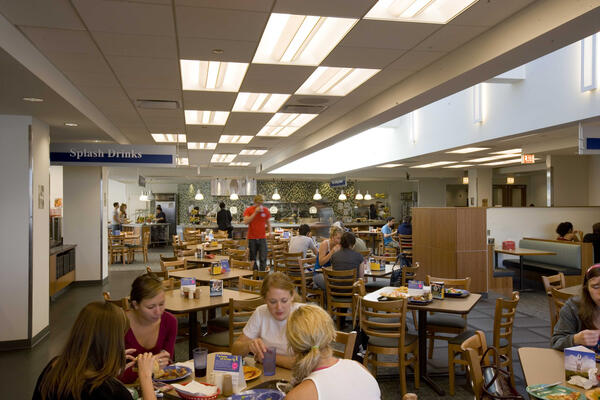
151,329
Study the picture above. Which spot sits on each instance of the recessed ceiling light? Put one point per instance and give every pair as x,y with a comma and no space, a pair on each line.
513,161
201,146
169,137
33,99
390,165
218,51
459,166
467,150
182,161
197,117
491,158
222,158
511,151
71,124
429,11
434,164
284,124
212,75
239,164
252,152
300,39
235,139
333,81
259,102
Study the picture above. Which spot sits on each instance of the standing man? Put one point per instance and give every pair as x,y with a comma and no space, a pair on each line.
160,215
387,232
224,220
257,218
116,221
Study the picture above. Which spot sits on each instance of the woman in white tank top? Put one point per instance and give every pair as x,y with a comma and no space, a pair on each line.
318,375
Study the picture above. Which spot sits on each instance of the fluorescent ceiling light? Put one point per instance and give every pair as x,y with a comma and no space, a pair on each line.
212,75
235,139
72,124
222,158
513,161
253,152
391,165
434,164
259,102
333,81
459,166
467,150
429,11
511,151
201,146
183,161
33,99
169,137
197,117
239,164
300,39
284,124
491,158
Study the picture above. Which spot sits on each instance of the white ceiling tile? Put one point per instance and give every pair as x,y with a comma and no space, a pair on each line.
89,62
107,97
123,117
146,72
213,101
489,12
51,14
191,48
270,142
329,8
199,157
231,148
450,37
126,17
387,34
254,5
268,78
166,118
214,23
166,2
415,60
90,78
199,133
50,40
241,123
136,45
361,57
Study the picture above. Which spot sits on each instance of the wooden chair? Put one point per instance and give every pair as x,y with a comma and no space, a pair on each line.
235,254
141,248
382,282
259,275
385,324
277,256
168,258
159,274
116,248
559,298
338,289
405,242
122,302
246,285
234,263
447,324
407,274
365,253
558,282
472,350
220,234
346,342
239,311
172,266
303,279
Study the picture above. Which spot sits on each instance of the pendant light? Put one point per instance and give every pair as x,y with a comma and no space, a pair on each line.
233,210
317,195
143,196
199,196
233,196
150,196
358,196
342,196
276,195
368,196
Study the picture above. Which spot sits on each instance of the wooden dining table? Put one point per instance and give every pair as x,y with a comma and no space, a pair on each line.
204,275
177,304
207,248
217,259
519,251
449,305
387,271
372,238
572,290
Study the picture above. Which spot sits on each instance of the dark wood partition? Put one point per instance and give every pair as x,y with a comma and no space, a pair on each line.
450,242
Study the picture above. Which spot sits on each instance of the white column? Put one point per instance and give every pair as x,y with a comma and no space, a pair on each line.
570,180
480,187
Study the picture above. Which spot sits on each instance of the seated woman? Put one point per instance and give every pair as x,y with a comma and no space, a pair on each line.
565,232
266,326
579,320
152,330
327,249
317,374
92,358
347,258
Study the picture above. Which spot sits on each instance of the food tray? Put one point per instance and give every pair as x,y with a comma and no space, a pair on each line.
188,372
549,393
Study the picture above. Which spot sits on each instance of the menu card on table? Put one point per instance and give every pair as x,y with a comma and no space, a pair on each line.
221,364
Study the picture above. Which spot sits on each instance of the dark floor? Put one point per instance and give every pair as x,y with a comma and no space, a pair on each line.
20,369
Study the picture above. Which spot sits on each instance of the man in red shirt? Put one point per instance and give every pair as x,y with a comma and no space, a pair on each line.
257,218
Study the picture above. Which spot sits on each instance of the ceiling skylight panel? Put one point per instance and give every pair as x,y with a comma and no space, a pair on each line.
197,117
212,75
201,146
169,137
259,102
333,81
425,11
284,124
235,139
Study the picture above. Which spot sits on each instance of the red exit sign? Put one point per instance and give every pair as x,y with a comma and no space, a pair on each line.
527,159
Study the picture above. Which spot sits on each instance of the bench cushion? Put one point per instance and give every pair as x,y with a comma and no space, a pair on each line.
568,254
541,267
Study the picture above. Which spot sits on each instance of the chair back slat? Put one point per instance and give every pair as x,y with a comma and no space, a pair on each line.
346,340
246,285
239,313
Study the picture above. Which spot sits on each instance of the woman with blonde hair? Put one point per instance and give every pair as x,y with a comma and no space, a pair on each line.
327,248
266,326
92,358
317,374
123,213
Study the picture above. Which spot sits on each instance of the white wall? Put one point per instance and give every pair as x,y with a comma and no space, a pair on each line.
432,191
594,180
107,209
56,183
457,195
82,224
570,180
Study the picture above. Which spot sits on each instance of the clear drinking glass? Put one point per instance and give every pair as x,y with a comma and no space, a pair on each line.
200,356
269,361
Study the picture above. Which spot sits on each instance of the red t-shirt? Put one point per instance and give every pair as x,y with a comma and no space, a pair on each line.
257,228
167,333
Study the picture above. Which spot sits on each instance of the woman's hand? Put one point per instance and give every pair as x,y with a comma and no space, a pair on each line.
129,359
258,348
337,247
145,363
587,337
163,359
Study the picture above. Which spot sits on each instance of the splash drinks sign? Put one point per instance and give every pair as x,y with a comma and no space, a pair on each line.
111,154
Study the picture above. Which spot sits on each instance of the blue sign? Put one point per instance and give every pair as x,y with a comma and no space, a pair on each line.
337,182
111,154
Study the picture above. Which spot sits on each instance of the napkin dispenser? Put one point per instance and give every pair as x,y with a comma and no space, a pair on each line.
578,361
508,245
220,364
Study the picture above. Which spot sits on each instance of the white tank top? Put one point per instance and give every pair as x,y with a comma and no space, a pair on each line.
346,379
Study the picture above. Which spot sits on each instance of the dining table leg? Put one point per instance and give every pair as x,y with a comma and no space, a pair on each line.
522,277
423,354
193,330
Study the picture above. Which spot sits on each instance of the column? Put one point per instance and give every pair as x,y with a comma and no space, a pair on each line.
480,187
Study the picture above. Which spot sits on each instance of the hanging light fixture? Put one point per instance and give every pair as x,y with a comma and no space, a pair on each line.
150,196
368,196
317,195
358,196
233,210
342,196
143,196
199,196
276,195
233,196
